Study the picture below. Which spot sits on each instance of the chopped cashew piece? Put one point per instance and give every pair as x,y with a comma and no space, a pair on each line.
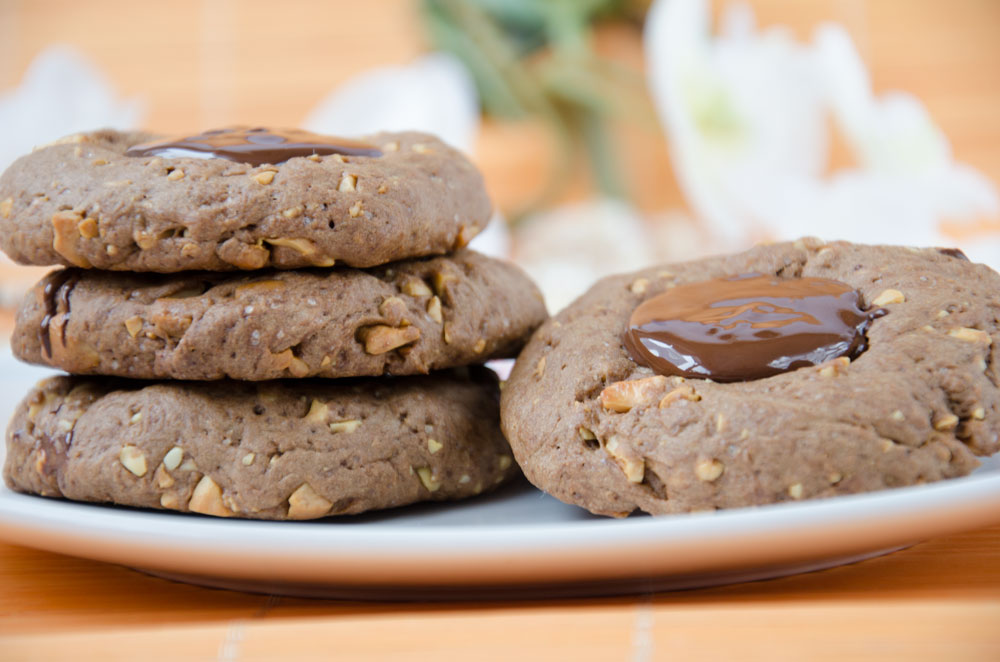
65,235
379,338
345,426
709,470
434,309
834,367
88,228
318,411
173,458
683,392
305,503
623,396
163,478
971,335
946,422
298,367
133,459
304,246
428,479
133,325
207,499
348,183
633,468
415,287
887,297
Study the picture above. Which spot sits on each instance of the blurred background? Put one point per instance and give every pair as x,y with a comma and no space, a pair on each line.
612,133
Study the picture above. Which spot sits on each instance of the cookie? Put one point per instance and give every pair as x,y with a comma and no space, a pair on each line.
298,449
84,202
410,317
915,401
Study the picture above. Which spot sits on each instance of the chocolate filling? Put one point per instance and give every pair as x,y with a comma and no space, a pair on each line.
748,327
954,252
255,146
56,296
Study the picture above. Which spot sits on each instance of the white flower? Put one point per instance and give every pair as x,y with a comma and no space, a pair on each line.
434,94
741,110
746,113
61,93
495,239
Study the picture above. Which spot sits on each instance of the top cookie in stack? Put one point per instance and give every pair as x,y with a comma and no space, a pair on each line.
238,199
254,199
253,254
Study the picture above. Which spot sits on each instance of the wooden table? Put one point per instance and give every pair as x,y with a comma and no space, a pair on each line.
937,600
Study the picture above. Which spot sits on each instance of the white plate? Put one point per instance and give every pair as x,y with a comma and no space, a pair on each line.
516,542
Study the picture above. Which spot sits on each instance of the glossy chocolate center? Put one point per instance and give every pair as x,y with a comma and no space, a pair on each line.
255,146
954,252
747,327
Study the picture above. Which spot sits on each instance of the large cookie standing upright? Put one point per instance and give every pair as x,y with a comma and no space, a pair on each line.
102,200
915,400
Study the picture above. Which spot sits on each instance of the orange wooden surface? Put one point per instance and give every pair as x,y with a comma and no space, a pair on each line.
937,600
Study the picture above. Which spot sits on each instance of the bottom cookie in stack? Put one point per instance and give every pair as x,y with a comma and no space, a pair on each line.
299,449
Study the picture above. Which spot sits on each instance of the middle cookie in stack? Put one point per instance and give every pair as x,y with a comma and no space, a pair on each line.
281,449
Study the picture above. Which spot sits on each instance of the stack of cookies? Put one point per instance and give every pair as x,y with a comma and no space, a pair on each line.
258,323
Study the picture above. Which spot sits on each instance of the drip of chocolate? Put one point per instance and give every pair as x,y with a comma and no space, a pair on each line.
954,252
255,146
56,296
748,327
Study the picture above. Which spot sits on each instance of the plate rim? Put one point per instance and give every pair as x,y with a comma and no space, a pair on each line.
473,554
945,493
450,555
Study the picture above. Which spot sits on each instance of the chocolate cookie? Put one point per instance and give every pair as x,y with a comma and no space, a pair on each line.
406,318
868,367
275,450
285,199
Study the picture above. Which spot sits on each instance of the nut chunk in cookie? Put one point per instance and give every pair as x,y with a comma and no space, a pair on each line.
790,371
